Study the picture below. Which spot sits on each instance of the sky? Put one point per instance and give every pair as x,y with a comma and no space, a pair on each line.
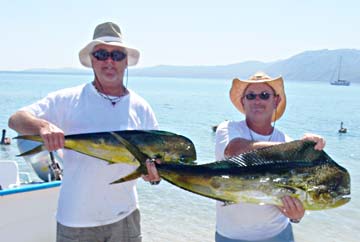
49,34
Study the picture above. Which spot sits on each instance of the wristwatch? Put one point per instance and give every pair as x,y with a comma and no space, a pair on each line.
295,221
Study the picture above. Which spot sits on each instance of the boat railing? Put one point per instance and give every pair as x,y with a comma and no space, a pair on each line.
11,177
9,174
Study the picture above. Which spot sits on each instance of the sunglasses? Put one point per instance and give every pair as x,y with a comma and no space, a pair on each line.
103,55
262,96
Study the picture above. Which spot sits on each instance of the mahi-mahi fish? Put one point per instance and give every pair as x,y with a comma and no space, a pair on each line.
167,146
262,176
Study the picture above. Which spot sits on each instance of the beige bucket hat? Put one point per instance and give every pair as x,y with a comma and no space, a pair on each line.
109,34
238,88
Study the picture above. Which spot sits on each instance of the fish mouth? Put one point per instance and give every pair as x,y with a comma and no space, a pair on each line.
342,200
187,159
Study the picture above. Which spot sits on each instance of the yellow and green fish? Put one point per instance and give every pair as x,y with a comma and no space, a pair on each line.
261,176
167,146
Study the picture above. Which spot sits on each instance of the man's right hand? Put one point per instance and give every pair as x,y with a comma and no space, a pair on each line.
53,137
25,123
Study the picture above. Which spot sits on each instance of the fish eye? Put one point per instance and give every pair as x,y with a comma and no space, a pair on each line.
182,159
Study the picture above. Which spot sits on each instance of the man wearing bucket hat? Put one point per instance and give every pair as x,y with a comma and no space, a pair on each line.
89,208
262,99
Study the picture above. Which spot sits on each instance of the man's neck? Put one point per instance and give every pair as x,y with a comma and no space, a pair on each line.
111,90
260,127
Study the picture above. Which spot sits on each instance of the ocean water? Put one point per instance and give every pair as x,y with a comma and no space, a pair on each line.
191,107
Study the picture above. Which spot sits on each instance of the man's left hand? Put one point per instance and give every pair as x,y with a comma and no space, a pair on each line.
320,141
292,208
153,175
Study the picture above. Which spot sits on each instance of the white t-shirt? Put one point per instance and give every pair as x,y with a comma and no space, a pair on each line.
86,197
246,221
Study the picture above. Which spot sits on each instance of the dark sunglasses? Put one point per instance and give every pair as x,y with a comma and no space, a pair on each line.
262,96
103,55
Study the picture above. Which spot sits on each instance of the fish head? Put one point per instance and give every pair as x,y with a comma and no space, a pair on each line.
333,192
178,149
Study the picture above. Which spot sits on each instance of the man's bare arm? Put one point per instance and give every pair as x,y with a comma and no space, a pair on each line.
27,124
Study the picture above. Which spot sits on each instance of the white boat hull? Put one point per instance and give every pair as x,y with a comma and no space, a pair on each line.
27,213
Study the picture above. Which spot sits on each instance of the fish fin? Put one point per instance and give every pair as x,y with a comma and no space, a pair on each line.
159,137
140,156
35,150
159,132
227,203
136,174
285,155
297,150
228,164
30,137
291,189
133,149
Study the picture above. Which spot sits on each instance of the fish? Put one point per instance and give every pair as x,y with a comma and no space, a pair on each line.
167,146
261,176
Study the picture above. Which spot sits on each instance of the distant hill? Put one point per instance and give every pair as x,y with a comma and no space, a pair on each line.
319,65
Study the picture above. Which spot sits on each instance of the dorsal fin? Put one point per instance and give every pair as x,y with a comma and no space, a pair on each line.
294,150
282,156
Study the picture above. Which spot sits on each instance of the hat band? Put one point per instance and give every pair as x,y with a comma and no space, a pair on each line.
109,39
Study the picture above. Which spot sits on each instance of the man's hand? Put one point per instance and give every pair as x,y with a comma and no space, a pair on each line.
26,123
153,175
320,141
292,208
53,137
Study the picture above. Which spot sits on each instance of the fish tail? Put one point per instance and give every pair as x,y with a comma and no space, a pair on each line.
30,137
33,151
136,174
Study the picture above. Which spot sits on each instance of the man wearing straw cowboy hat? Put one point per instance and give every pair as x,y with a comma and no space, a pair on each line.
262,99
89,208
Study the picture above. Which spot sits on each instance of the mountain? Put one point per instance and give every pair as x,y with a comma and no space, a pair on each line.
318,65
201,71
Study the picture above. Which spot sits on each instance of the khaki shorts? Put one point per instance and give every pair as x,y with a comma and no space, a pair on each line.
126,230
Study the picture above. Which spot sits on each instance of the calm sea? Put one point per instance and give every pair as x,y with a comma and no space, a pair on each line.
191,107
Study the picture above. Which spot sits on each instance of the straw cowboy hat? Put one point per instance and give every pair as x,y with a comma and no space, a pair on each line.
238,88
109,34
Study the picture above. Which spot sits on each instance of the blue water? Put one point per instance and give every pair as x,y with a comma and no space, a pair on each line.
191,107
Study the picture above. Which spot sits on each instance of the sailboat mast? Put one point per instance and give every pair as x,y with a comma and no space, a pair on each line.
340,60
339,82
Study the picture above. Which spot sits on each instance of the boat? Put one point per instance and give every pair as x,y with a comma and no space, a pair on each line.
338,81
28,212
214,127
28,208
5,140
342,129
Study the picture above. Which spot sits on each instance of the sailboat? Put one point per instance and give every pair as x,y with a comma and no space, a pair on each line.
338,81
